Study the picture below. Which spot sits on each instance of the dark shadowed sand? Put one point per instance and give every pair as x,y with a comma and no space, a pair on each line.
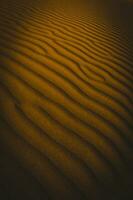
66,100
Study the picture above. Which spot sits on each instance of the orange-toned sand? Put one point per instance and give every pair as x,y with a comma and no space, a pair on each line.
66,100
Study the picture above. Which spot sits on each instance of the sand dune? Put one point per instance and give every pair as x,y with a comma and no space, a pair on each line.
66,82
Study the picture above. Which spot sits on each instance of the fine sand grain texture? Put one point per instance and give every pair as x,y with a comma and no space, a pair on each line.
66,100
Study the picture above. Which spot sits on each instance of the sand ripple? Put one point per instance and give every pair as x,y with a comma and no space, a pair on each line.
66,101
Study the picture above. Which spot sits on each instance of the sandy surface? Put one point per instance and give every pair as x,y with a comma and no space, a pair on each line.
66,100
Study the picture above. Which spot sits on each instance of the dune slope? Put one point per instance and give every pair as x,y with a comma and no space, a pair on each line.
66,108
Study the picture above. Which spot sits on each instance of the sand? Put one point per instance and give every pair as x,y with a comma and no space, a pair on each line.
66,108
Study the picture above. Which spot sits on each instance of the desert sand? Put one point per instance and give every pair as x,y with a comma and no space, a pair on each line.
66,100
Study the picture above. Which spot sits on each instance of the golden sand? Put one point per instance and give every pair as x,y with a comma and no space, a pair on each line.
66,108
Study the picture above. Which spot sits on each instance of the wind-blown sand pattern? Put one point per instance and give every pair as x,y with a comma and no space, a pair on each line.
66,106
